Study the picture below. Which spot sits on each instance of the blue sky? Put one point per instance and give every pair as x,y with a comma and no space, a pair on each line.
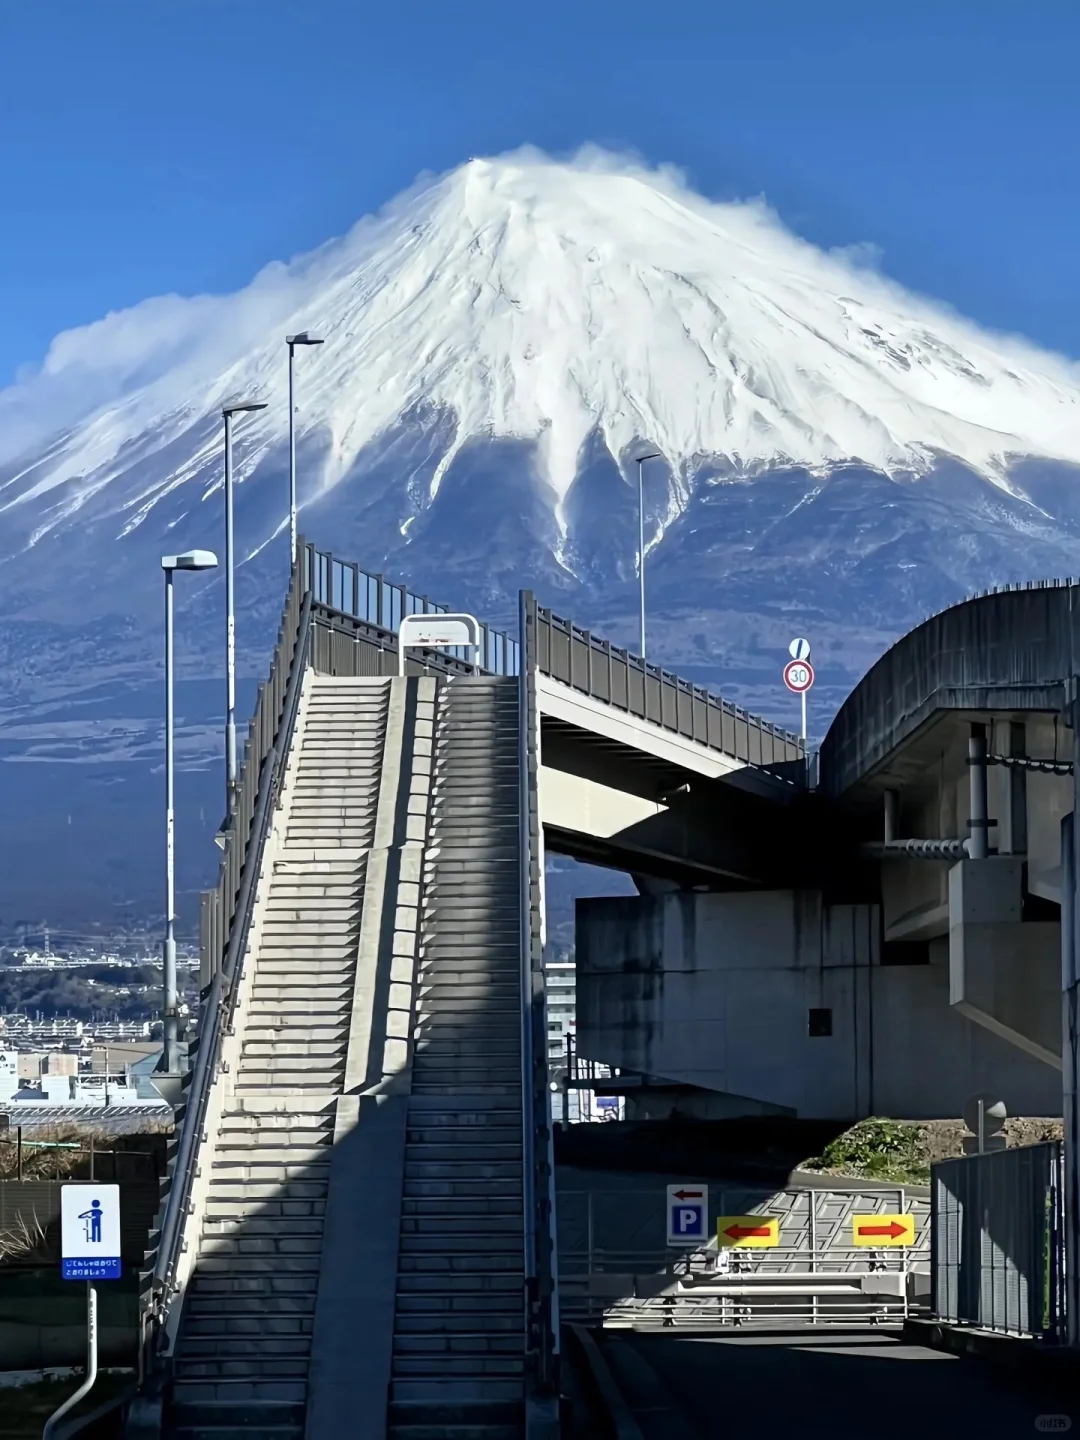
178,145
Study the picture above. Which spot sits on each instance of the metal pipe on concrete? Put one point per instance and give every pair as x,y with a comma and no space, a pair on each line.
916,849
892,810
979,843
1018,765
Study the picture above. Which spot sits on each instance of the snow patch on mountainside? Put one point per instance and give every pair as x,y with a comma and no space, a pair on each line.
546,301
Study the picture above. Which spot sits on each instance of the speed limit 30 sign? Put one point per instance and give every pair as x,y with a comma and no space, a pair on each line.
798,676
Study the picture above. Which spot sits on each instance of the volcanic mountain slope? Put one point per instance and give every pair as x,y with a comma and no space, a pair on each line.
837,458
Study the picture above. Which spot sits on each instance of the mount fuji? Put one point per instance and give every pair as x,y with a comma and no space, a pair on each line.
838,457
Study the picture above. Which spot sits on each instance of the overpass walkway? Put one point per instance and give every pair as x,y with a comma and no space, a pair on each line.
357,1235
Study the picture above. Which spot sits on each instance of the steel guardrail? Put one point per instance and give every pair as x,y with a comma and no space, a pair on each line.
219,999
570,654
617,677
537,1135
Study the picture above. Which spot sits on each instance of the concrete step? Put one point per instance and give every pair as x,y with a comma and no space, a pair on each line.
483,1111
425,1280
479,1206
474,1223
254,1192
427,1151
248,1370
443,1191
202,1326
451,1172
257,1009
325,1049
265,1166
275,1129
227,1307
321,988
477,1326
434,1306
263,1227
465,1368
426,1127
452,1242
225,1347
328,1028
278,1404
220,1247
236,1211
241,1283
451,1051
198,1429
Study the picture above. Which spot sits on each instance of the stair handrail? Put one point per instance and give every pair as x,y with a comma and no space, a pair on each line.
219,1000
541,1299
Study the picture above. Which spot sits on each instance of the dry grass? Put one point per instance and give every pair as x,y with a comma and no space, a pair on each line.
22,1239
55,1160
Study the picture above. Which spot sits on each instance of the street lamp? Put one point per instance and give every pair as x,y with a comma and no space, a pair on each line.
641,542
190,560
303,338
240,407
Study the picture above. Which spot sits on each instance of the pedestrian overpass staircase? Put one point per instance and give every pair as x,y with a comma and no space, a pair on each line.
357,1231
355,1239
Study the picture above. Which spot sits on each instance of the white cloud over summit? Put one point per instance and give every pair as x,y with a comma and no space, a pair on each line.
547,300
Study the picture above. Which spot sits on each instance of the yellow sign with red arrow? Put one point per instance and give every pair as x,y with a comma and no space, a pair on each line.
748,1231
878,1230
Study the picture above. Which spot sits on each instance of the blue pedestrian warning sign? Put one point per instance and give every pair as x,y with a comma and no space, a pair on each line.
90,1232
687,1214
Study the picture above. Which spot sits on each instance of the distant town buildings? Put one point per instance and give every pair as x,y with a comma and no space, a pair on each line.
65,1078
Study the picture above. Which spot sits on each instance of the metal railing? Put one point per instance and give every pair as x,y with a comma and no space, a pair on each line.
218,906
574,656
565,652
345,589
613,1271
537,1138
226,917
998,1244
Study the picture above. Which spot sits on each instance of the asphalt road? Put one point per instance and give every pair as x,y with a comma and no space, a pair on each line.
838,1387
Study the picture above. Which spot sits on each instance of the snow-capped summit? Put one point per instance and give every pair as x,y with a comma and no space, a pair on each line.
838,456
544,302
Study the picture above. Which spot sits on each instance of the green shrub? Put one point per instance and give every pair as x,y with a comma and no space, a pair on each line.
878,1150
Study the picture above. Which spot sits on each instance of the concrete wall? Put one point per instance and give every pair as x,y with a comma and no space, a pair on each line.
1004,974
722,991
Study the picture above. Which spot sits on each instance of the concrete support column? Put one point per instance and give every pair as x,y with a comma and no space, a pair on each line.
979,843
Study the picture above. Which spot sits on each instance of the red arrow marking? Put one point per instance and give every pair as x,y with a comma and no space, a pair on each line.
893,1228
687,1194
741,1232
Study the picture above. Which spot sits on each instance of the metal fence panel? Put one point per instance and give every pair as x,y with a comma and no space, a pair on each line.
998,1241
614,1267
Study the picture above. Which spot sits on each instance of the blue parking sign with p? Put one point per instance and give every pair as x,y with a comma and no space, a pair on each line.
687,1214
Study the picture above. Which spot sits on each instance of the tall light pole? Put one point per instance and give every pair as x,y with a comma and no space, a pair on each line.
241,407
190,560
303,338
641,542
